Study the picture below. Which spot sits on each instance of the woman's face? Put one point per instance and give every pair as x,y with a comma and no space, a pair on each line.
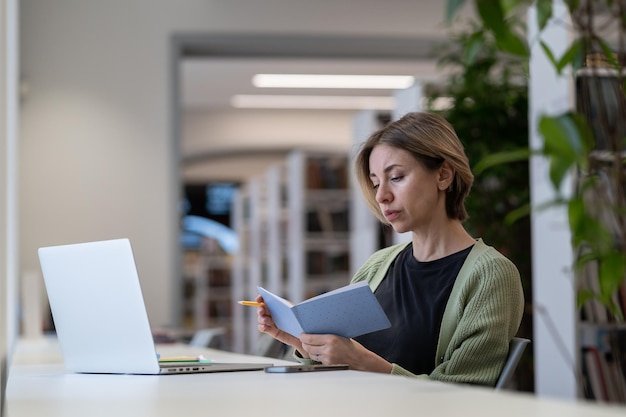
409,195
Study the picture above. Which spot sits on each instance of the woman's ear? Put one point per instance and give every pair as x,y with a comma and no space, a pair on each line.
446,175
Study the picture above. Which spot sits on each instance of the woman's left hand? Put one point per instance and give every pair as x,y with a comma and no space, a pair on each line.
331,349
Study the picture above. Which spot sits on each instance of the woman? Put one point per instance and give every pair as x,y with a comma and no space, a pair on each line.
454,302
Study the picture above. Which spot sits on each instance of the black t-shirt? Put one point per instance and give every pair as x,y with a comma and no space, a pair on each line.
414,294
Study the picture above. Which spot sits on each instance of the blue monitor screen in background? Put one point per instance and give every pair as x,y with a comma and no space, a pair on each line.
212,200
206,210
219,198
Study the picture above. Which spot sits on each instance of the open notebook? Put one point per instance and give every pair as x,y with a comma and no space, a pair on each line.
100,316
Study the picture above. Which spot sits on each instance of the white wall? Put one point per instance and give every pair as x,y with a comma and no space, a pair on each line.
97,157
97,160
8,186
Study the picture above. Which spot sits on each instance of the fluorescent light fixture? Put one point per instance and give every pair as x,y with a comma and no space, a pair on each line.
387,82
313,102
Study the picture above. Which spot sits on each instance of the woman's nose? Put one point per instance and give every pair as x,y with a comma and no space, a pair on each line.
382,194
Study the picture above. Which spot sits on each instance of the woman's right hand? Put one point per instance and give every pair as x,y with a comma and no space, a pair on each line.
266,325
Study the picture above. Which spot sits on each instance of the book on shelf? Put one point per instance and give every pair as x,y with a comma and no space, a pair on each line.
322,219
596,378
604,376
617,341
604,362
327,172
321,262
348,311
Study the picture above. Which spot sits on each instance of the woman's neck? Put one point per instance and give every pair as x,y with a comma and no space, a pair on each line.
436,243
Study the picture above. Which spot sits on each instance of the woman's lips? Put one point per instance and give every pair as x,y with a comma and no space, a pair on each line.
391,215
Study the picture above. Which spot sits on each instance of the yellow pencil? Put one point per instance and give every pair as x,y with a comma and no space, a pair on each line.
251,303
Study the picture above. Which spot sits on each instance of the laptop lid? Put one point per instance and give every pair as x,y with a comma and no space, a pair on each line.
98,308
99,312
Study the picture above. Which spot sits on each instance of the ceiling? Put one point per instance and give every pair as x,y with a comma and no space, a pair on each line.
213,68
212,82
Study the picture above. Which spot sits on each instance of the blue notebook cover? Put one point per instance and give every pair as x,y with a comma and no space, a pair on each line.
348,311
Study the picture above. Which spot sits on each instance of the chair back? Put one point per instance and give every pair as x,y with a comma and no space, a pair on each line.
516,348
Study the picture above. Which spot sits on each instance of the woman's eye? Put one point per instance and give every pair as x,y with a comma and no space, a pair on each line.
395,179
375,186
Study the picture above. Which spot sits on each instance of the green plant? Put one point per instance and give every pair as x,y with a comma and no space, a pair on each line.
587,142
491,115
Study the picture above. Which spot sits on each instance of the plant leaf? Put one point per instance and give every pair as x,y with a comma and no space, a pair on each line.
516,214
473,47
550,55
562,144
500,158
492,16
509,42
583,296
609,54
617,311
572,4
573,56
544,12
611,274
576,217
558,170
452,8
562,136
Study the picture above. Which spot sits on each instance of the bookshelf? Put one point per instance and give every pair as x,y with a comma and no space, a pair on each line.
247,266
294,230
239,211
602,331
260,221
367,233
208,244
603,361
318,235
208,301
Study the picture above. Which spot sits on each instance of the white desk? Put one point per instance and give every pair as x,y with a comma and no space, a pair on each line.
38,385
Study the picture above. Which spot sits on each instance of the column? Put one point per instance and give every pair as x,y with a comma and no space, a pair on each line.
554,318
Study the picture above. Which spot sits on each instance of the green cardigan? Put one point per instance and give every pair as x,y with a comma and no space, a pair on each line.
481,317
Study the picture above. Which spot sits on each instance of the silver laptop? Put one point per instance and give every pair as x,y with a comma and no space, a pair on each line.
100,316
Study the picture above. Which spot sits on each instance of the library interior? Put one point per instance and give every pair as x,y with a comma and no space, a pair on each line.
165,123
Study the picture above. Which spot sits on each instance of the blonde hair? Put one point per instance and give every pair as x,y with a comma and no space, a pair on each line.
431,140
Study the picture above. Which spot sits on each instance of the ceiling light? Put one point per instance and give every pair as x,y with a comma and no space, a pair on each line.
313,102
388,82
